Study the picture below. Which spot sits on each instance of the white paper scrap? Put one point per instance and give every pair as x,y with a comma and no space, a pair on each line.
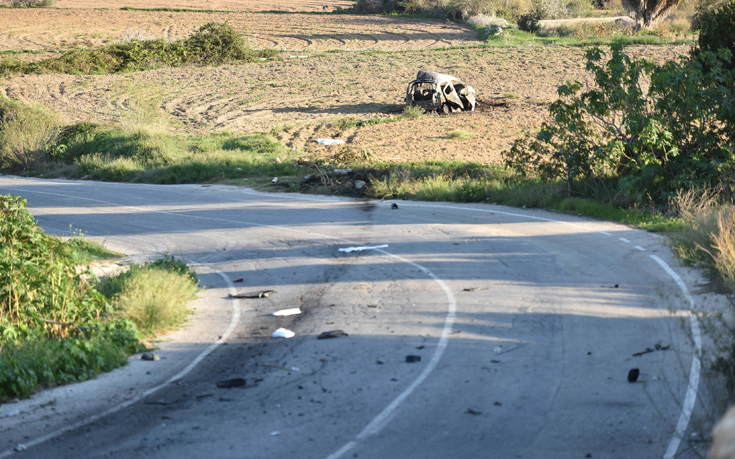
360,249
330,141
283,333
287,312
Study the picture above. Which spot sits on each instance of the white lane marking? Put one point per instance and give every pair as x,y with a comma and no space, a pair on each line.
385,416
691,395
640,248
624,240
693,375
233,323
605,233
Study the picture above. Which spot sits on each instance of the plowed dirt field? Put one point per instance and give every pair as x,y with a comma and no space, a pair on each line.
334,65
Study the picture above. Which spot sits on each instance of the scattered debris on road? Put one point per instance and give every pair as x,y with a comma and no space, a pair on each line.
657,347
360,249
238,280
230,383
283,333
394,206
475,289
280,367
287,312
413,358
261,294
473,412
633,375
332,334
150,356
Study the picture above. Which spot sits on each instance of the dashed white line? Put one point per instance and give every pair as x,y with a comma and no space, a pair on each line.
624,240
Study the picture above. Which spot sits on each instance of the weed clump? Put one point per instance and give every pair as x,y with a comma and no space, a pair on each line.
26,133
213,44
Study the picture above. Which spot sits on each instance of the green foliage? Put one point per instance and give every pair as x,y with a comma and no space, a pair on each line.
82,250
412,112
28,133
34,364
213,44
31,3
460,134
40,293
717,31
152,296
529,22
51,329
676,134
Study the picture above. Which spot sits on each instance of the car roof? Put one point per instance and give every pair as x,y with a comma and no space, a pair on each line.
434,77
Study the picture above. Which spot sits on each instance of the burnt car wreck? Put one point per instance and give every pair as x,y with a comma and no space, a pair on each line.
441,93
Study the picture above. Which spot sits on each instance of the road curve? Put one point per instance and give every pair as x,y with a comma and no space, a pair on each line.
525,323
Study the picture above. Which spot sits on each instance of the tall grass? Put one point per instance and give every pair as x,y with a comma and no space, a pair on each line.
154,300
26,132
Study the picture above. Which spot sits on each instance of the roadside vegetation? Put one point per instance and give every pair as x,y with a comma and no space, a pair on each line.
648,144
56,327
213,44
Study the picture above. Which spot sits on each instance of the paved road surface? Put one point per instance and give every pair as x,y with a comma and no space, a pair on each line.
525,322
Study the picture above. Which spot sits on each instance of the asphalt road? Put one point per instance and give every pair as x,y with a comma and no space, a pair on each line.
525,323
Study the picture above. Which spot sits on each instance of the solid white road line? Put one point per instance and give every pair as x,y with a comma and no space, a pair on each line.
233,323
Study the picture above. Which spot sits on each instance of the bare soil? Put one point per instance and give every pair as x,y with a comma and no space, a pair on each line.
334,66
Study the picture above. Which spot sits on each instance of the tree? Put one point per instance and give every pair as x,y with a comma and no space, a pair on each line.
649,12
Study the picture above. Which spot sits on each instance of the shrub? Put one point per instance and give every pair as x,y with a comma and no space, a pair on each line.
676,134
27,133
40,292
529,22
717,31
33,364
153,296
31,3
213,44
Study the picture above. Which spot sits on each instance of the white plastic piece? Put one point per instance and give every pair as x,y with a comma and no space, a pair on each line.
275,179
330,141
283,333
360,249
287,312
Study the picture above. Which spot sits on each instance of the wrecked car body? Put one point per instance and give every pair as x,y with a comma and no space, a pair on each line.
441,93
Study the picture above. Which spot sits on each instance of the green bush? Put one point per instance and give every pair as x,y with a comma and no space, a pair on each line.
31,3
27,133
676,134
529,22
41,295
213,44
717,31
29,365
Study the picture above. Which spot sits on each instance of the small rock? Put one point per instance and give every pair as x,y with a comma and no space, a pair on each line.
20,448
413,358
150,356
633,375
359,184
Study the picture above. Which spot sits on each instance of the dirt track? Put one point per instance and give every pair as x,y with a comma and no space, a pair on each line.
321,79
